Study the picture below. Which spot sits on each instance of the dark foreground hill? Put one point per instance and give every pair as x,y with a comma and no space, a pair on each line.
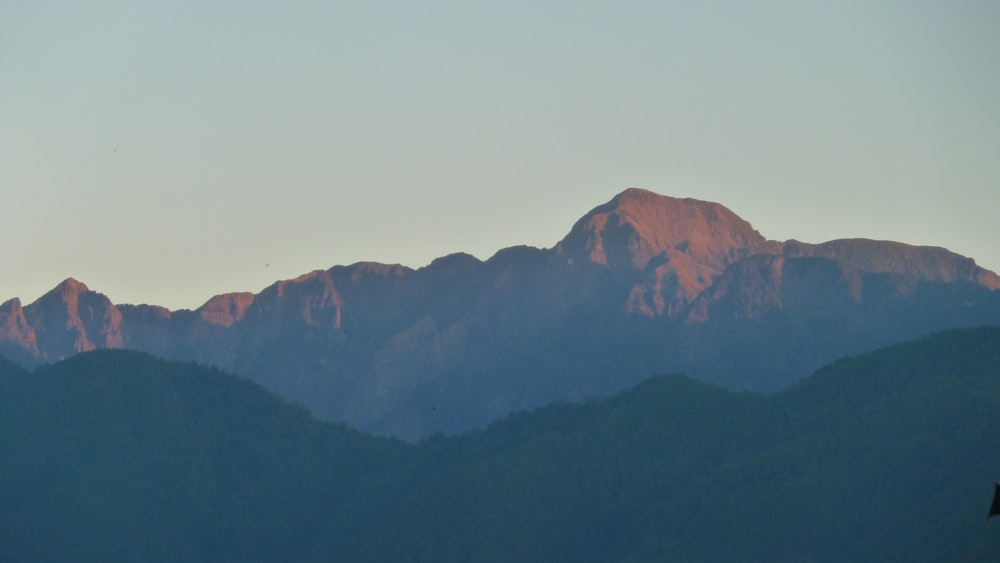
117,456
641,285
887,456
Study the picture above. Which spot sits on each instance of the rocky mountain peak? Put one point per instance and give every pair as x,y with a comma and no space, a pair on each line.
226,309
667,250
12,305
71,318
64,296
638,226
68,291
71,285
17,339
311,297
926,263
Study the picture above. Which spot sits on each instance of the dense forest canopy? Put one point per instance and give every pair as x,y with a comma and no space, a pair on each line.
891,455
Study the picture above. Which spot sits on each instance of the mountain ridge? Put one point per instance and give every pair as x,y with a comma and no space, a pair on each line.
642,284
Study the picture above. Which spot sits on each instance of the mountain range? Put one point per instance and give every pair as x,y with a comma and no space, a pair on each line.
891,455
644,284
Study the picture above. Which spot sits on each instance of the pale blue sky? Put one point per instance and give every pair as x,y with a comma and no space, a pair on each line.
164,152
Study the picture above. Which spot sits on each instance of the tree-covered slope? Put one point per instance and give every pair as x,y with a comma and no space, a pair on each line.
888,456
117,456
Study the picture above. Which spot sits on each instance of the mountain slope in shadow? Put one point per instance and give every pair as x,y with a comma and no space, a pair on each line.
886,456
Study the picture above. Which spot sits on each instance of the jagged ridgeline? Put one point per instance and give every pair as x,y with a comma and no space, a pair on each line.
643,284
890,455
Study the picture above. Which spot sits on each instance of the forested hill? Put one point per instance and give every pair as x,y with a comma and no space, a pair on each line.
888,456
118,456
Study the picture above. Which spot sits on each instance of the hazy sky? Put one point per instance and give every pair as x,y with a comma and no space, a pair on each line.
164,152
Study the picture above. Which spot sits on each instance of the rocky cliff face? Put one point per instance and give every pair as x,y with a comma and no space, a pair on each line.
670,249
65,321
641,285
17,339
639,226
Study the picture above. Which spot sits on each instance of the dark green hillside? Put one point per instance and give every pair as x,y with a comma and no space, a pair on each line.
569,482
10,369
888,456
117,456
